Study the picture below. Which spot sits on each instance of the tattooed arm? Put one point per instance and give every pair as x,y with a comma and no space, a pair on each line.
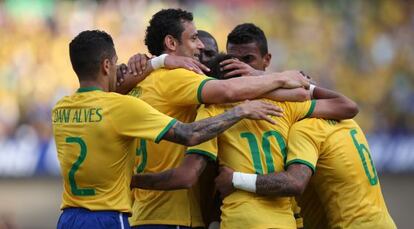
194,133
182,177
287,183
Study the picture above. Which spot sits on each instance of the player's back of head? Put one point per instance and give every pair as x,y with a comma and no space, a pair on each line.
87,51
165,22
248,33
215,68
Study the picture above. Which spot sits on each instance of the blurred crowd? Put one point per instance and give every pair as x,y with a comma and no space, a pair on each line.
363,49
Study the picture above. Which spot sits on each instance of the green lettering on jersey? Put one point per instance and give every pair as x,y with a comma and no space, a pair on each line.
99,114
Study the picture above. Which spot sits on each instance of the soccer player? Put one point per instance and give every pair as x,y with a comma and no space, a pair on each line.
336,155
96,131
210,49
178,93
248,43
238,148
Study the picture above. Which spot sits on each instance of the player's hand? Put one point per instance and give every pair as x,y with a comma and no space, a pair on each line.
121,72
259,110
311,80
173,62
294,79
137,64
238,68
224,181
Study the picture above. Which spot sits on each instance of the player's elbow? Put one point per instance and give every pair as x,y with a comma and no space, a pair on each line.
302,95
193,140
297,189
351,109
189,179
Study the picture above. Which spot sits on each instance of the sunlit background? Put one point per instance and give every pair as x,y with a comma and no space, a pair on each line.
364,49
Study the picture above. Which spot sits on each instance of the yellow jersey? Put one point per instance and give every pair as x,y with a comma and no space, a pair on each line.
95,134
254,147
345,180
176,93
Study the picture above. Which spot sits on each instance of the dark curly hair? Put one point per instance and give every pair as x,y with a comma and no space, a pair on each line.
163,23
215,68
248,33
87,51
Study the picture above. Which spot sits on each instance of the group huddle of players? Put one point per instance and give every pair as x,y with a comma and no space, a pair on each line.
182,150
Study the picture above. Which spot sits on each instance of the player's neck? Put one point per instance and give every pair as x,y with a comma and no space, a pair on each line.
94,83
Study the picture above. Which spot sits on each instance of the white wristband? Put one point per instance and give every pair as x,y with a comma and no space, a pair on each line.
158,62
245,181
311,89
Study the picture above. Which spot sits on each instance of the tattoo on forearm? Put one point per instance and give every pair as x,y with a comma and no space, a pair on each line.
152,180
203,130
288,183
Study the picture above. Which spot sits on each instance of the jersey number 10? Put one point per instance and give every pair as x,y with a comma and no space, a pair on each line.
254,149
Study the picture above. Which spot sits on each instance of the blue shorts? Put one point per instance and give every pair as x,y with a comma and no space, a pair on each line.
84,218
156,226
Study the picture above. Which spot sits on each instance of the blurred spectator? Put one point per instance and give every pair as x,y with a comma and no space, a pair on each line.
361,48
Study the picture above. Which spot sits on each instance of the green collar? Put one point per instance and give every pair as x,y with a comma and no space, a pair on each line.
87,89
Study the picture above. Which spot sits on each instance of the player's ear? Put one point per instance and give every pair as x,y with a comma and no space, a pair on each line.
266,59
106,66
170,43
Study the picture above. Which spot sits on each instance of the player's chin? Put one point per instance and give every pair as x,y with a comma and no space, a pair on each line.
197,57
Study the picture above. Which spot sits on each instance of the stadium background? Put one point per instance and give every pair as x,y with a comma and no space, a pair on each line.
363,49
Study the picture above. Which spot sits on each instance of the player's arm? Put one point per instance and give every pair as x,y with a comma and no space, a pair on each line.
194,133
291,182
140,66
332,105
246,87
237,67
182,177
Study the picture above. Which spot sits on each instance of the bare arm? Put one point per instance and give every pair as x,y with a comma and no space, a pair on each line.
247,87
333,105
194,133
289,183
139,67
182,177
290,95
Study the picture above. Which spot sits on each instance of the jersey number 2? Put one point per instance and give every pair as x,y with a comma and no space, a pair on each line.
362,149
83,151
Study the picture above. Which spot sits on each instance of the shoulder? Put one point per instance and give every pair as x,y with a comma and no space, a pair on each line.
181,72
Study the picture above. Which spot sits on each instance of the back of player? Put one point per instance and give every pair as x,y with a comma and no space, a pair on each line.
254,147
345,179
175,93
96,148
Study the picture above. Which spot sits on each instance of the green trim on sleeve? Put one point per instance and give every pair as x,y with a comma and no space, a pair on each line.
311,108
165,130
200,89
300,161
202,152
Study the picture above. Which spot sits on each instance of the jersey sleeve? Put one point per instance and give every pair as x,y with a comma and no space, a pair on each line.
183,87
299,110
303,148
135,118
210,147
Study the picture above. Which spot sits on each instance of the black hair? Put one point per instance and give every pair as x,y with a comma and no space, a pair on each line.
87,51
248,33
205,34
165,22
215,68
